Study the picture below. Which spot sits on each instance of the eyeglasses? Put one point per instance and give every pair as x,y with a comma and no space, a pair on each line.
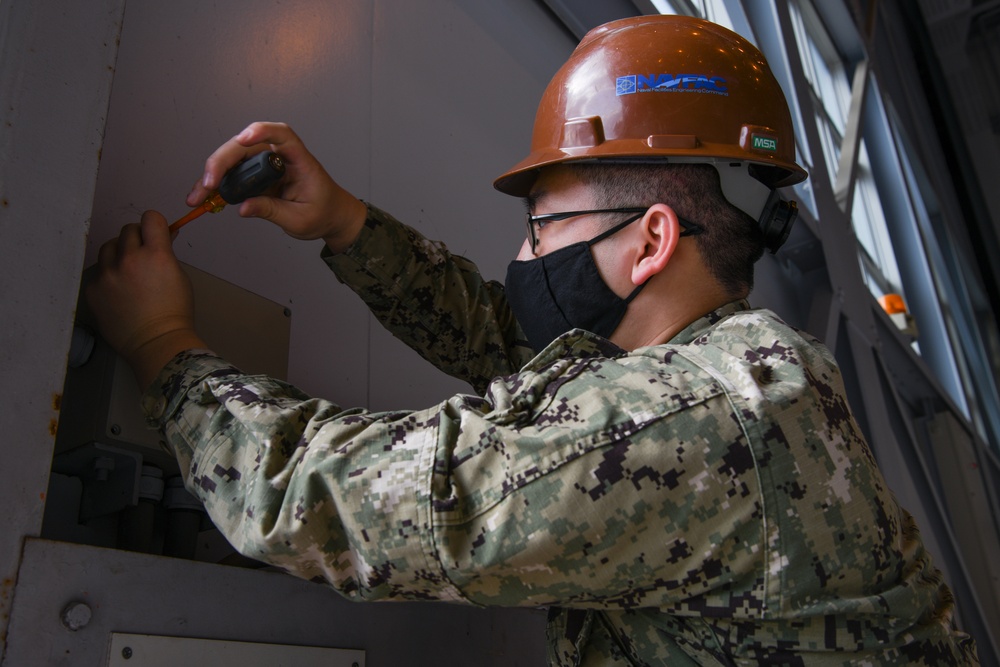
536,222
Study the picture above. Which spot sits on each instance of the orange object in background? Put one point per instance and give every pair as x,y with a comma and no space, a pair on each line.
895,308
892,304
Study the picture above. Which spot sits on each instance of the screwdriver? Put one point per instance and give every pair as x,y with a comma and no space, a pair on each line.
250,178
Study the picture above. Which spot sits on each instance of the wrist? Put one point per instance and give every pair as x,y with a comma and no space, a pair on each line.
148,359
356,212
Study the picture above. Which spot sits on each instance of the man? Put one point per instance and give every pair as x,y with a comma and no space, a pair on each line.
676,476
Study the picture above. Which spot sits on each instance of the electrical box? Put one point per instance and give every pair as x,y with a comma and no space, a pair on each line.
113,482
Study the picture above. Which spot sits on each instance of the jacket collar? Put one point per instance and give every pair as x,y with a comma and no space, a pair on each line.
580,344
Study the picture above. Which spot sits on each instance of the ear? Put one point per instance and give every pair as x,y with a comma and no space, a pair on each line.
660,232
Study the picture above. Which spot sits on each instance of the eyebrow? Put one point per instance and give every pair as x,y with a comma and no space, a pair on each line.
532,199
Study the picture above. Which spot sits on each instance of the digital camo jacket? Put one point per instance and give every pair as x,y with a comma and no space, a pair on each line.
709,501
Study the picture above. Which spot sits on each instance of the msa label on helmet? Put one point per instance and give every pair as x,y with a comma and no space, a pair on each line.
762,143
670,83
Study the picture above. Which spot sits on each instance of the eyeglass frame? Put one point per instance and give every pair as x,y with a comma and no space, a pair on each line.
690,228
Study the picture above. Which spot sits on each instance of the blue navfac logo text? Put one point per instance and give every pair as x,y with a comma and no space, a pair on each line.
670,83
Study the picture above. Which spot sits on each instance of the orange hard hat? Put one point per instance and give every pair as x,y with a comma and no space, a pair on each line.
666,89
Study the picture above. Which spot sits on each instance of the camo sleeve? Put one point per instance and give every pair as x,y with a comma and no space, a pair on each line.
509,499
435,302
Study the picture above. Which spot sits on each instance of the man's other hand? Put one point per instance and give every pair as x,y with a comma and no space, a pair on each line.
142,299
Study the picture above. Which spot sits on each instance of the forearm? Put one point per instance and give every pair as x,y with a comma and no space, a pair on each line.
294,481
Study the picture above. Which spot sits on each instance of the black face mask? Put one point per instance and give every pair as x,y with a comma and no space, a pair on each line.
563,290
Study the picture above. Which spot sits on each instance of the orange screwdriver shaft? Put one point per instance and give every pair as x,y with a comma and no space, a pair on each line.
187,218
213,204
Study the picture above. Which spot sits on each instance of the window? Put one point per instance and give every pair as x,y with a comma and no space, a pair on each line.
830,89
971,334
711,10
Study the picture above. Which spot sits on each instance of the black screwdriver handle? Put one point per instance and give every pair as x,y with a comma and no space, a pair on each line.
251,177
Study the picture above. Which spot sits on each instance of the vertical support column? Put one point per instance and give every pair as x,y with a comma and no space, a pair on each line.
57,63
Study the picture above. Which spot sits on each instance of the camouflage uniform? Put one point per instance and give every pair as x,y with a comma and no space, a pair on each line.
707,501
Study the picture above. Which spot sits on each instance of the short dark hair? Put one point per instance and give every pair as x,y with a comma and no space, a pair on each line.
731,241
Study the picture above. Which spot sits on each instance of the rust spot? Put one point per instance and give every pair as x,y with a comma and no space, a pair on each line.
53,426
56,402
4,202
41,495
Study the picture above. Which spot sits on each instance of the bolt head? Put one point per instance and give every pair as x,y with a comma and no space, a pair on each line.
76,616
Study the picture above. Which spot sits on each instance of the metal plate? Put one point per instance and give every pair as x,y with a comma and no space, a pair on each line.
155,651
247,330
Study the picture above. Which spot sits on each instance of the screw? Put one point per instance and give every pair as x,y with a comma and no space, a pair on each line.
116,429
288,312
76,615
127,652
